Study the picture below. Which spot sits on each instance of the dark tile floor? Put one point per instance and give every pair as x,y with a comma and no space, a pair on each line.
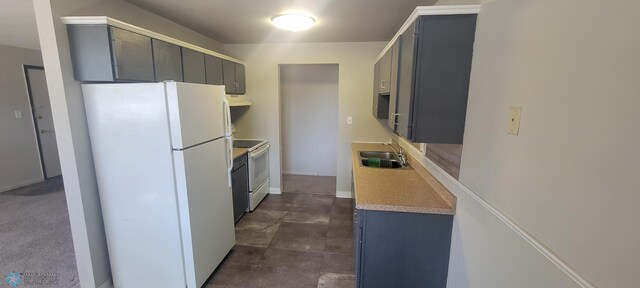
296,239
323,185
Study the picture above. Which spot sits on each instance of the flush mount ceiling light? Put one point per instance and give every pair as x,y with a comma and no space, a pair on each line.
293,22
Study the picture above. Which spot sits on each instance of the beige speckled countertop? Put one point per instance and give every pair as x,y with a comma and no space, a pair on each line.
399,190
237,152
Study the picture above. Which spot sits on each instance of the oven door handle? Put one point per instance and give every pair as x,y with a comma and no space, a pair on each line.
259,152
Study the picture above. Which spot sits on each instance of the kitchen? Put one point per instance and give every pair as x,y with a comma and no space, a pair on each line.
526,171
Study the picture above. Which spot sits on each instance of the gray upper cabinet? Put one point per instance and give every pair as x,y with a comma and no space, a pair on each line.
383,95
229,72
234,77
193,66
393,93
241,87
385,73
376,80
434,72
213,66
103,53
167,60
106,54
405,84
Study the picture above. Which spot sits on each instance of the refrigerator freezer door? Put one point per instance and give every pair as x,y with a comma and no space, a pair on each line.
196,113
206,208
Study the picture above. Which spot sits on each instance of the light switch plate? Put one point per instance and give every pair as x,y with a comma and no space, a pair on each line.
18,114
349,120
514,120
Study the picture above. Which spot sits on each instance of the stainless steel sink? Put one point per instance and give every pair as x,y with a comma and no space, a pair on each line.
384,163
383,159
378,154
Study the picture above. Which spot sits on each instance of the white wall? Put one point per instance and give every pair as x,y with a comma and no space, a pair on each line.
70,122
355,63
309,119
565,188
19,157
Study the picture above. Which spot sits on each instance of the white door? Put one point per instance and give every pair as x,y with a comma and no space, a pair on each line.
196,113
205,207
41,108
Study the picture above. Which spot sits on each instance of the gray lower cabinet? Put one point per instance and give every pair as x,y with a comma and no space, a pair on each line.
434,72
193,66
103,53
398,249
213,67
240,186
234,77
167,60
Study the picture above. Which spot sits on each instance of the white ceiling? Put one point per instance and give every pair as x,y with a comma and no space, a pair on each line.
248,21
18,24
245,21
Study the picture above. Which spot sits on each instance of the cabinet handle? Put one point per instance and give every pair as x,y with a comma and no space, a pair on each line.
395,117
383,84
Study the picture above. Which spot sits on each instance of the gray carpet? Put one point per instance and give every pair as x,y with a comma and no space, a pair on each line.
35,235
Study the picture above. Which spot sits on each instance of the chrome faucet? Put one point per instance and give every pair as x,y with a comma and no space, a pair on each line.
399,154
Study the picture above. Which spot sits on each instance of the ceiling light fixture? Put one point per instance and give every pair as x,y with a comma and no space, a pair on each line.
293,22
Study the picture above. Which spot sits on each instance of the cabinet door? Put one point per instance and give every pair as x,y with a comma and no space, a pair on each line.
393,93
385,72
240,188
213,65
400,249
131,54
240,79
229,76
193,66
167,61
358,220
405,81
442,75
90,49
376,86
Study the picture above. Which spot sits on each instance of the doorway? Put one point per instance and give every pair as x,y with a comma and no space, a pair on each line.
309,127
43,120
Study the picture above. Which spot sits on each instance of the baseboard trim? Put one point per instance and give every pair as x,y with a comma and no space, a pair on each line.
21,184
456,188
106,284
344,194
299,173
273,190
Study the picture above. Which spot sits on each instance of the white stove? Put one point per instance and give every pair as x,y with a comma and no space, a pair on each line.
258,169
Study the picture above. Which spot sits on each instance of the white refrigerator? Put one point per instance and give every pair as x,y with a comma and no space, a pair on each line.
163,158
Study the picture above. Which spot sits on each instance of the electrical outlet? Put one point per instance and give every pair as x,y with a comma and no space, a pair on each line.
18,114
514,120
349,120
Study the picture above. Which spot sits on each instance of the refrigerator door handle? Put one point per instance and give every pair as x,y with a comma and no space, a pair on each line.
228,138
227,117
230,158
